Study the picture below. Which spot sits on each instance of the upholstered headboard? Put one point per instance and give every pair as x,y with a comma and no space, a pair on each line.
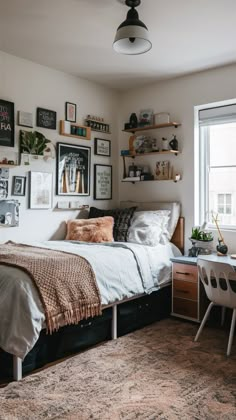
176,223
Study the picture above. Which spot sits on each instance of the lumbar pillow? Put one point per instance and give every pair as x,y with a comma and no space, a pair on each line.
91,230
149,227
122,219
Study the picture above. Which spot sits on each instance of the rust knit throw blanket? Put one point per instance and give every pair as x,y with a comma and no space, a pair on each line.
66,282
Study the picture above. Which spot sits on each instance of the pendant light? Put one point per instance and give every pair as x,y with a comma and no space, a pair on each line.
132,35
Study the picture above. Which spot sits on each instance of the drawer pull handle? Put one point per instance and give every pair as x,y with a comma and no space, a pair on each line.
180,272
182,291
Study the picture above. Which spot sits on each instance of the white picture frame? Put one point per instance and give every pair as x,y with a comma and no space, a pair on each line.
102,182
40,196
25,119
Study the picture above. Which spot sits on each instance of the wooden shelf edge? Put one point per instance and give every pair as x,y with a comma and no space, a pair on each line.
75,136
6,165
152,180
164,152
152,127
71,208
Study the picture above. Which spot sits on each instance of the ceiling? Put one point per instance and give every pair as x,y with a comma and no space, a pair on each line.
76,36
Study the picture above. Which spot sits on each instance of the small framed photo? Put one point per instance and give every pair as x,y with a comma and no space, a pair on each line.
46,118
102,147
25,119
18,185
70,112
40,196
102,182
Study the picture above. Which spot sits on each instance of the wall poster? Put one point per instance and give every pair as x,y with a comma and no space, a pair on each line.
7,125
102,182
73,169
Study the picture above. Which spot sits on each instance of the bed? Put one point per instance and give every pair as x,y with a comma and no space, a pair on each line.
132,295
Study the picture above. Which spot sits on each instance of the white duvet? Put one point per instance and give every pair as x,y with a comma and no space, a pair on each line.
122,270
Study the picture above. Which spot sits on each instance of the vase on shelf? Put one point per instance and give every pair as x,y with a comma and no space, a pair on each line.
221,248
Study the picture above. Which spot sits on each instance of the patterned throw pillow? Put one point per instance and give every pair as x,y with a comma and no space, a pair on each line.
90,230
122,220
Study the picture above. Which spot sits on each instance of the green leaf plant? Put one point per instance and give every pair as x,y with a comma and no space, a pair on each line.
201,235
32,142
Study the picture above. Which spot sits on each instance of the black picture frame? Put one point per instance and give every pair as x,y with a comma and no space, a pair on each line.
102,182
102,147
73,170
46,118
18,185
7,123
70,112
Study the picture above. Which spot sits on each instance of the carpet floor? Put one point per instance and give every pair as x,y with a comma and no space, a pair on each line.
154,373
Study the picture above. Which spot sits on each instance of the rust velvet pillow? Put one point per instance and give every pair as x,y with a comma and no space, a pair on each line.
99,229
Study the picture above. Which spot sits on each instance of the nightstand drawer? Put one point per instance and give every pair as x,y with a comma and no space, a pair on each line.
185,307
185,289
185,272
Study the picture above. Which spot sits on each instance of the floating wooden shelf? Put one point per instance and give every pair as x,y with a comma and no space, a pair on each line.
150,180
66,129
7,165
82,207
152,127
164,152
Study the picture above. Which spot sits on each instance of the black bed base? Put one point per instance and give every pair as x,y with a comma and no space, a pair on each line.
69,340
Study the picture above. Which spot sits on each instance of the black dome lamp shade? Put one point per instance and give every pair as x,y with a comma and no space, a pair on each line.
132,35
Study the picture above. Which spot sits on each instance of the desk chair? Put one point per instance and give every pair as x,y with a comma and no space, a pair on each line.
219,281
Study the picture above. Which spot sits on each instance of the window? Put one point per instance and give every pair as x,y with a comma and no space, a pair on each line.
224,205
217,165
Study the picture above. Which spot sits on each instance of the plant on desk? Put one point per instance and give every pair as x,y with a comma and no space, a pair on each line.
201,235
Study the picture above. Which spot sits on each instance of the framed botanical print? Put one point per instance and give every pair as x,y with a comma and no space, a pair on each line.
73,169
40,196
102,147
102,182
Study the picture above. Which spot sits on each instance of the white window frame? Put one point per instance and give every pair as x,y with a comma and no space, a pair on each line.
201,167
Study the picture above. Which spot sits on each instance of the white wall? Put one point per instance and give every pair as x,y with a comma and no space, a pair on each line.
30,85
178,97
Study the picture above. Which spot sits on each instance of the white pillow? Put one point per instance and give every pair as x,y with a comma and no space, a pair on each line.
149,227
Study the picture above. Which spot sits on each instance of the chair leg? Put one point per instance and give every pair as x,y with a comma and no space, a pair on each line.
231,334
204,321
223,310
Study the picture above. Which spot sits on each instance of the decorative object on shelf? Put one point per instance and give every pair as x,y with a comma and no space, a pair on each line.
162,118
32,142
162,170
18,185
145,117
97,124
102,147
151,127
177,177
174,145
9,213
221,248
40,195
102,182
69,129
7,125
125,152
73,169
132,35
25,119
164,144
133,120
5,161
70,112
46,118
155,147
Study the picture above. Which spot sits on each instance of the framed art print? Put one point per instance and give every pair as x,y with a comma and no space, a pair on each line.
40,196
102,147
70,112
102,182
73,169
7,123
25,119
46,118
18,185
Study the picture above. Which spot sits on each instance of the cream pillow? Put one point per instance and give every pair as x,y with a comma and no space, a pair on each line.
99,229
149,227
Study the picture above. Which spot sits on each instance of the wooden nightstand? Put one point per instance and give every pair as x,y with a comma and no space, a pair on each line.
188,297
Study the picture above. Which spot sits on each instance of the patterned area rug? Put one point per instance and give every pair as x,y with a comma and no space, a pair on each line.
154,373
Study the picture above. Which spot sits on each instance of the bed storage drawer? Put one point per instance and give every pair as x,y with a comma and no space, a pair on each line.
74,338
143,311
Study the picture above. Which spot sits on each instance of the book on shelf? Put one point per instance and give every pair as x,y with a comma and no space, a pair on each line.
131,178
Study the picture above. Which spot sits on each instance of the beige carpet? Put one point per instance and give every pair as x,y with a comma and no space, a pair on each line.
154,373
